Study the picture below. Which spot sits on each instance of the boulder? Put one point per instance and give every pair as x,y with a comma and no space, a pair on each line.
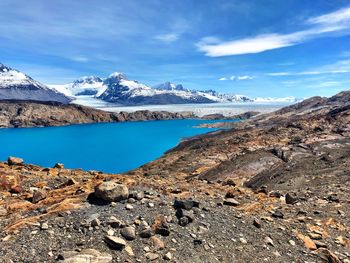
291,199
115,242
38,195
185,204
14,161
59,166
111,191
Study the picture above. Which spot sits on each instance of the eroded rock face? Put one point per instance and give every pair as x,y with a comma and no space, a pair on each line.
111,191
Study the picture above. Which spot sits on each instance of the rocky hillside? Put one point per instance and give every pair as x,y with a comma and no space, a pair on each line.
274,188
14,85
39,114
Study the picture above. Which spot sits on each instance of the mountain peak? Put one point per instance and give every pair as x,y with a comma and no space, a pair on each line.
117,75
15,85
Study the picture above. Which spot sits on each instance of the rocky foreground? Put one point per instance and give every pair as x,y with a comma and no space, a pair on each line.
274,188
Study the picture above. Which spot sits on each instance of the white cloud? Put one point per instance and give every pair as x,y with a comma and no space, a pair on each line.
237,78
278,74
79,59
335,22
167,38
244,77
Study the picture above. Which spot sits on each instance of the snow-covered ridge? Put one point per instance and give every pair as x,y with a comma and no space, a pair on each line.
117,88
15,85
285,99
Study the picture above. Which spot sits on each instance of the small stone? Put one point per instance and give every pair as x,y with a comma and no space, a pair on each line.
129,250
257,223
129,207
291,242
131,200
277,214
231,202
161,226
110,232
291,199
152,256
269,241
114,222
44,226
128,233
14,161
229,182
168,256
157,242
146,249
276,253
146,233
95,222
111,191
115,242
150,205
320,244
243,240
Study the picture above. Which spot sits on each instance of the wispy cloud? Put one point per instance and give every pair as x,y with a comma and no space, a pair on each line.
237,78
167,38
319,26
340,67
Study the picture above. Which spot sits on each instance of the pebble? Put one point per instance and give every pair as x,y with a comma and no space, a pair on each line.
269,241
152,256
168,256
292,242
129,207
128,233
243,241
44,226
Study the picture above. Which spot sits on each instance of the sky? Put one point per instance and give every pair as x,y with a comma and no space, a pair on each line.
269,48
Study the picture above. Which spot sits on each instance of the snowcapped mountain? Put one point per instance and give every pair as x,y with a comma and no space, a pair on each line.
117,88
129,92
289,99
89,85
14,85
170,86
222,97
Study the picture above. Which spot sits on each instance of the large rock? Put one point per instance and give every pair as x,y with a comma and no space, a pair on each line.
85,256
111,191
115,242
14,161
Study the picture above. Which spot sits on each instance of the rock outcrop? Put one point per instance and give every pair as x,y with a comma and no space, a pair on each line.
40,114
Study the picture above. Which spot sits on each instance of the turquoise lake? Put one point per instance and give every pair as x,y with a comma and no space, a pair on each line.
107,147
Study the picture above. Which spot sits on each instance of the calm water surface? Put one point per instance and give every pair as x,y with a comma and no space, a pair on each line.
108,147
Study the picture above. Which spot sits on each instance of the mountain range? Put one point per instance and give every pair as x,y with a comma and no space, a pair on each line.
116,88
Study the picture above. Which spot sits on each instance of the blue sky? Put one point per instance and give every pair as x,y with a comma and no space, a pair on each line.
256,48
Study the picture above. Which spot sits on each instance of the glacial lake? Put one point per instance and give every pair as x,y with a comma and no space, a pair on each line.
107,147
